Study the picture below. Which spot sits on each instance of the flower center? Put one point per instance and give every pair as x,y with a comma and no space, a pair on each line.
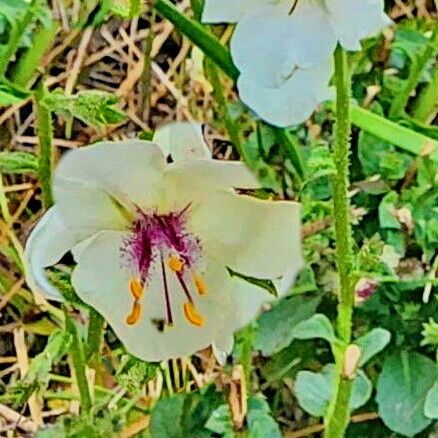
157,244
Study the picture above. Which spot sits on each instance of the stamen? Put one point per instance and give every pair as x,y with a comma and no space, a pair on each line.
201,285
135,314
192,315
136,288
184,286
175,263
166,294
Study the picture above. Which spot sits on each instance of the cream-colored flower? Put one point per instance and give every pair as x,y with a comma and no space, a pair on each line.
153,240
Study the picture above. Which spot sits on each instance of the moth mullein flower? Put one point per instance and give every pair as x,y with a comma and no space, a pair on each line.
154,235
283,49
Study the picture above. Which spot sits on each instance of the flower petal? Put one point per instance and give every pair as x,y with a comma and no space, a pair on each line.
193,181
302,39
96,186
354,20
100,282
46,245
257,238
230,11
294,101
182,141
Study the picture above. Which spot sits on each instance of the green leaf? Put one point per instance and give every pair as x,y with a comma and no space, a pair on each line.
305,282
372,343
18,162
220,422
166,417
431,405
134,373
318,326
379,157
268,285
40,366
260,422
93,107
402,388
10,94
185,415
255,150
387,209
314,390
274,328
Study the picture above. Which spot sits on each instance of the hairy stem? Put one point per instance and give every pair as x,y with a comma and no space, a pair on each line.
96,328
401,100
79,361
45,140
338,413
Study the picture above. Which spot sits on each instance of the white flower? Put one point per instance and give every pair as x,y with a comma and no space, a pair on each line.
346,21
283,49
153,240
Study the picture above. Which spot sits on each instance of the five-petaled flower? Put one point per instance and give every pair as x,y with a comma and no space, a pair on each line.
153,230
283,49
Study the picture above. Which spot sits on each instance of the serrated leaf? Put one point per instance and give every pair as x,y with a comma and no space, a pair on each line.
135,373
402,389
314,390
274,327
95,108
18,162
372,343
40,366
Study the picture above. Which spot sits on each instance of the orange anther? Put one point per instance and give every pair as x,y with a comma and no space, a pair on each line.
201,285
175,263
135,314
192,315
136,288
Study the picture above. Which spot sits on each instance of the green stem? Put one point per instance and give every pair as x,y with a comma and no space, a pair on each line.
146,77
79,361
218,93
428,98
246,354
45,139
95,336
401,99
4,204
338,413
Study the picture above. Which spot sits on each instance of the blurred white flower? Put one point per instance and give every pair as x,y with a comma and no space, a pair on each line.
153,240
283,49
